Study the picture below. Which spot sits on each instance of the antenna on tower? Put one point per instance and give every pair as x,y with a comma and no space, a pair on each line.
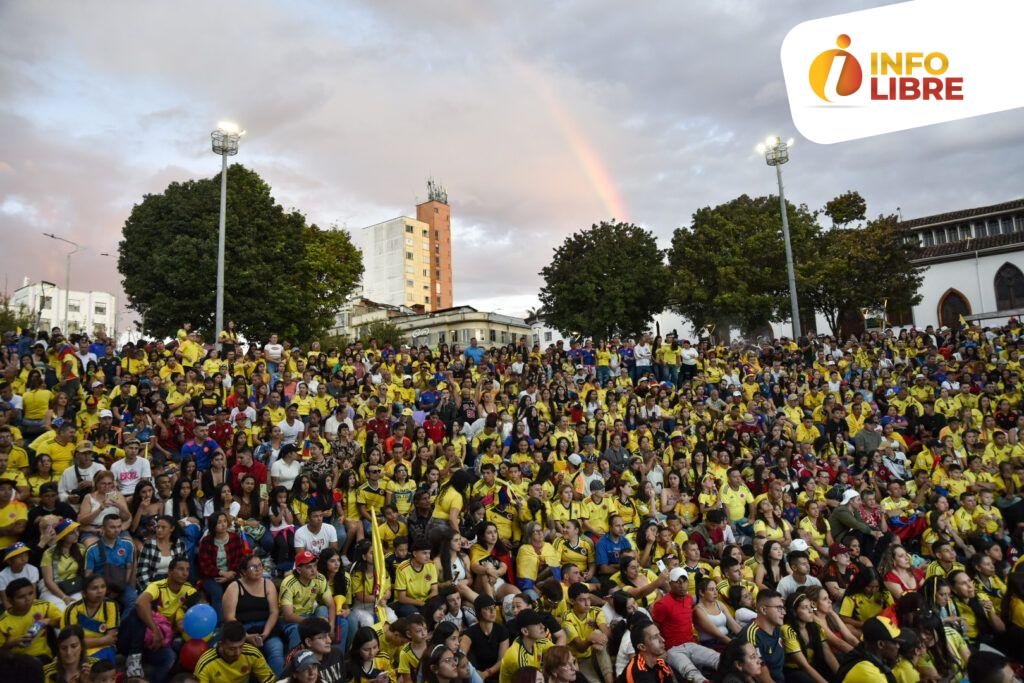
436,192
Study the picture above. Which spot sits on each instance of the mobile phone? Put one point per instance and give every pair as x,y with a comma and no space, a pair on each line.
661,566
264,491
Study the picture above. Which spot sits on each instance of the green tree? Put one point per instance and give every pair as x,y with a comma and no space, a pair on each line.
14,318
281,274
383,331
858,268
606,280
729,266
846,208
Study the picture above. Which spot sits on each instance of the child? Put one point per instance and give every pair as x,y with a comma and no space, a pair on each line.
708,498
17,558
411,653
686,509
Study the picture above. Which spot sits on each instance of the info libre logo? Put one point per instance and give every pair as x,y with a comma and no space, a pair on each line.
837,74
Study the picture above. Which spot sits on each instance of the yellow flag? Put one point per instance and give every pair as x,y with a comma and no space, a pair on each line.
377,546
963,321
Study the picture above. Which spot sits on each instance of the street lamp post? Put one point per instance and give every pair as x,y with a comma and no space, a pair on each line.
776,153
225,143
67,275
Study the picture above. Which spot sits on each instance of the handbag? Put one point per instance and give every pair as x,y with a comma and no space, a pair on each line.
68,586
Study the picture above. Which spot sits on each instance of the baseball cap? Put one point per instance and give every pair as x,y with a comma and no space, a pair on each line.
304,660
837,548
304,557
880,629
798,544
18,548
677,574
105,413
596,485
575,459
849,495
85,446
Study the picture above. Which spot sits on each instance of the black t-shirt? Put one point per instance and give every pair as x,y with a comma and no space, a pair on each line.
484,653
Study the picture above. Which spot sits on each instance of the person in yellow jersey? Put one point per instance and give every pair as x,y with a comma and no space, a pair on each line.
528,648
234,660
872,660
23,626
738,501
587,633
304,593
595,510
163,601
13,514
415,580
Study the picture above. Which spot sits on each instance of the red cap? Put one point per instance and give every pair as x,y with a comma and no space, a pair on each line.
304,557
240,417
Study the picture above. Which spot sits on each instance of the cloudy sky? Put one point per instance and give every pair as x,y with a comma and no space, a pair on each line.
540,118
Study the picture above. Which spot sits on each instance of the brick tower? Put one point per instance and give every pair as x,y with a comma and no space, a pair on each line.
436,213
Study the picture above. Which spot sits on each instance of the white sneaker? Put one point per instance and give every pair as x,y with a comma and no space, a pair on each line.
133,666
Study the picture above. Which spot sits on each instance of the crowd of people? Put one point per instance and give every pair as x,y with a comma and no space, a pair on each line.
643,511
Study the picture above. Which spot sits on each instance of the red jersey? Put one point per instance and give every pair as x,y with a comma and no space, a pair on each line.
674,616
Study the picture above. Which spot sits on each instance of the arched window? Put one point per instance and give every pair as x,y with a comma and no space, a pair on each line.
952,305
1009,288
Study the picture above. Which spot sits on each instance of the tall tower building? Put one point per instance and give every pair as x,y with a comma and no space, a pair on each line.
408,261
436,213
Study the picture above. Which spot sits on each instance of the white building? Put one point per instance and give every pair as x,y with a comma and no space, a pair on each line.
87,312
396,262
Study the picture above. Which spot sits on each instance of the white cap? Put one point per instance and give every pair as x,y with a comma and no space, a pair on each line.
849,495
677,574
575,459
106,413
798,544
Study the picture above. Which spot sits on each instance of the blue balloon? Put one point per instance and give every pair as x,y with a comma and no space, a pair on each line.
200,621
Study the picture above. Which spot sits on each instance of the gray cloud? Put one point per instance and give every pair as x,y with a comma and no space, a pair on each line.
536,116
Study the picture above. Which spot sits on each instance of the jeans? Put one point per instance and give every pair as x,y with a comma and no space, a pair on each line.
342,533
215,593
291,628
685,658
604,373
129,597
273,646
131,638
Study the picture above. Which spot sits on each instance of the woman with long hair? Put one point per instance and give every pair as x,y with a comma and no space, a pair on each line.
71,659
145,506
252,599
715,626
222,499
815,529
329,564
898,572
158,551
282,525
453,565
218,559
804,642
740,663
361,583
773,566
864,598
63,566
836,633
40,472
491,562
946,651
97,616
366,664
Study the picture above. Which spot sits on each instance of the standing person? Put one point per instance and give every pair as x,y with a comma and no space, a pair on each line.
648,664
234,660
673,613
765,634
252,600
161,606
874,658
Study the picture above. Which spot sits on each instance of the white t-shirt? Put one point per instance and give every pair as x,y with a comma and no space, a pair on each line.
642,354
274,352
315,543
284,473
128,476
788,585
232,510
290,432
27,572
688,356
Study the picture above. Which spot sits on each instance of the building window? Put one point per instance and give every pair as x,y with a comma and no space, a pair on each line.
536,339
440,337
426,234
426,299
437,260
1009,285
74,307
408,229
940,236
465,336
408,255
424,272
493,335
47,301
927,239
504,337
100,309
547,336
409,283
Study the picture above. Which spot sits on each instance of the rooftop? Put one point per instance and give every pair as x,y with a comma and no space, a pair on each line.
953,216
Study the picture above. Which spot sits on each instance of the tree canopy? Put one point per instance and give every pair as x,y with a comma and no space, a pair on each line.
606,280
729,265
280,273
